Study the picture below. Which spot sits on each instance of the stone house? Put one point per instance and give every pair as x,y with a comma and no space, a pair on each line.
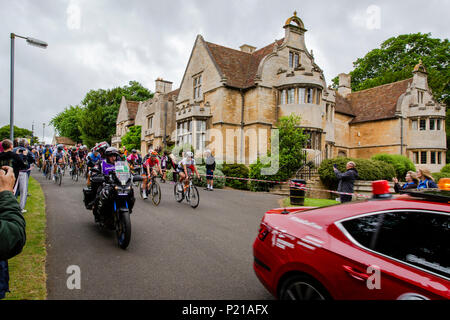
125,120
63,140
157,117
396,118
230,99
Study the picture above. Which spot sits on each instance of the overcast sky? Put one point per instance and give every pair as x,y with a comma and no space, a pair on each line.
106,43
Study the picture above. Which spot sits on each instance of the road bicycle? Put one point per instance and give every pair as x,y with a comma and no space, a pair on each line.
187,191
153,190
48,169
74,172
59,173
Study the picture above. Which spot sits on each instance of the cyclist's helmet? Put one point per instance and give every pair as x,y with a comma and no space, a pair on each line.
134,151
189,154
111,151
60,147
74,148
154,154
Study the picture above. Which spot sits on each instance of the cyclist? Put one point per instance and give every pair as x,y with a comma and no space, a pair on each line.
188,162
151,163
47,155
73,158
133,160
58,158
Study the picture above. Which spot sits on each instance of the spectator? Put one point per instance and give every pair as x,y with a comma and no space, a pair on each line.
164,158
411,182
173,163
11,159
346,181
210,167
12,226
426,179
22,180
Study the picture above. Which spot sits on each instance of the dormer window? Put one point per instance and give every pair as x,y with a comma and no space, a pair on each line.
197,86
420,97
294,59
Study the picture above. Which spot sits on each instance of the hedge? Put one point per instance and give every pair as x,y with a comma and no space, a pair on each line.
219,183
446,168
400,163
368,170
238,171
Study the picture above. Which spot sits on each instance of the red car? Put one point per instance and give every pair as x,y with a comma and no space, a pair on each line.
384,249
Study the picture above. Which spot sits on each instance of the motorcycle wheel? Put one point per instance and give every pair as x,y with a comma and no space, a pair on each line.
123,229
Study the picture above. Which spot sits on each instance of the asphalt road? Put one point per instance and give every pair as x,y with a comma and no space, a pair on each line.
176,252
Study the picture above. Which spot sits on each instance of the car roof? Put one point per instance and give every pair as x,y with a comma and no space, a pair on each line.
328,215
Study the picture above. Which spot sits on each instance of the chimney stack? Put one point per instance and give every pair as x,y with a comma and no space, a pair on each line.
345,87
162,86
247,48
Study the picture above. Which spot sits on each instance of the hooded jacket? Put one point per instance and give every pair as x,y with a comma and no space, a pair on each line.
12,235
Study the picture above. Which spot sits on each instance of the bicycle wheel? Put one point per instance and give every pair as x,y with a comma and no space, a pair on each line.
76,174
194,196
156,193
179,195
60,177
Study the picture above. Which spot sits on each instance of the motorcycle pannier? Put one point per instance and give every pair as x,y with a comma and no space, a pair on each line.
88,197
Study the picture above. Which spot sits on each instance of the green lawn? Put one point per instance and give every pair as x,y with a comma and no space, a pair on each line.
27,270
310,202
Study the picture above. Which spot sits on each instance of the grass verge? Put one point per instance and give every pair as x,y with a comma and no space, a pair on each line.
27,270
286,202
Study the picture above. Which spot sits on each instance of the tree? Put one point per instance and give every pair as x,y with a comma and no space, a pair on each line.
292,140
132,139
100,109
66,123
18,133
395,61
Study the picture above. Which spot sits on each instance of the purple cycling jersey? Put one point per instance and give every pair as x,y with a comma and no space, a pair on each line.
107,167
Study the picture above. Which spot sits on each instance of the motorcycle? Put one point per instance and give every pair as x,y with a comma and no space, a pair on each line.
114,201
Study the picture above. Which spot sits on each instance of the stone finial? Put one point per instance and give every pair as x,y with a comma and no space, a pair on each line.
420,67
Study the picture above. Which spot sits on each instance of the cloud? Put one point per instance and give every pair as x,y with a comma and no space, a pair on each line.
73,15
104,43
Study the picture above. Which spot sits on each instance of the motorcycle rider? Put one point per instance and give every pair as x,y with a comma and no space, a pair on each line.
106,166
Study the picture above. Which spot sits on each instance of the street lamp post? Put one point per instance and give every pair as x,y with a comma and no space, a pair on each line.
30,41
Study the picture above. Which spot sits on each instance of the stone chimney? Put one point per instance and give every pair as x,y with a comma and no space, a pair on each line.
345,87
247,48
162,86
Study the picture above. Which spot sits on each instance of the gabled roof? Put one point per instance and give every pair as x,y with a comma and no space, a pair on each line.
132,107
65,141
379,103
240,68
173,94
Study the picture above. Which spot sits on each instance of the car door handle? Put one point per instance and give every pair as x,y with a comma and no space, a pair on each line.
361,276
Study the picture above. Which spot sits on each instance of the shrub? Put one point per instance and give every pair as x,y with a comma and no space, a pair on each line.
255,173
400,163
439,175
446,168
237,171
368,170
219,183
